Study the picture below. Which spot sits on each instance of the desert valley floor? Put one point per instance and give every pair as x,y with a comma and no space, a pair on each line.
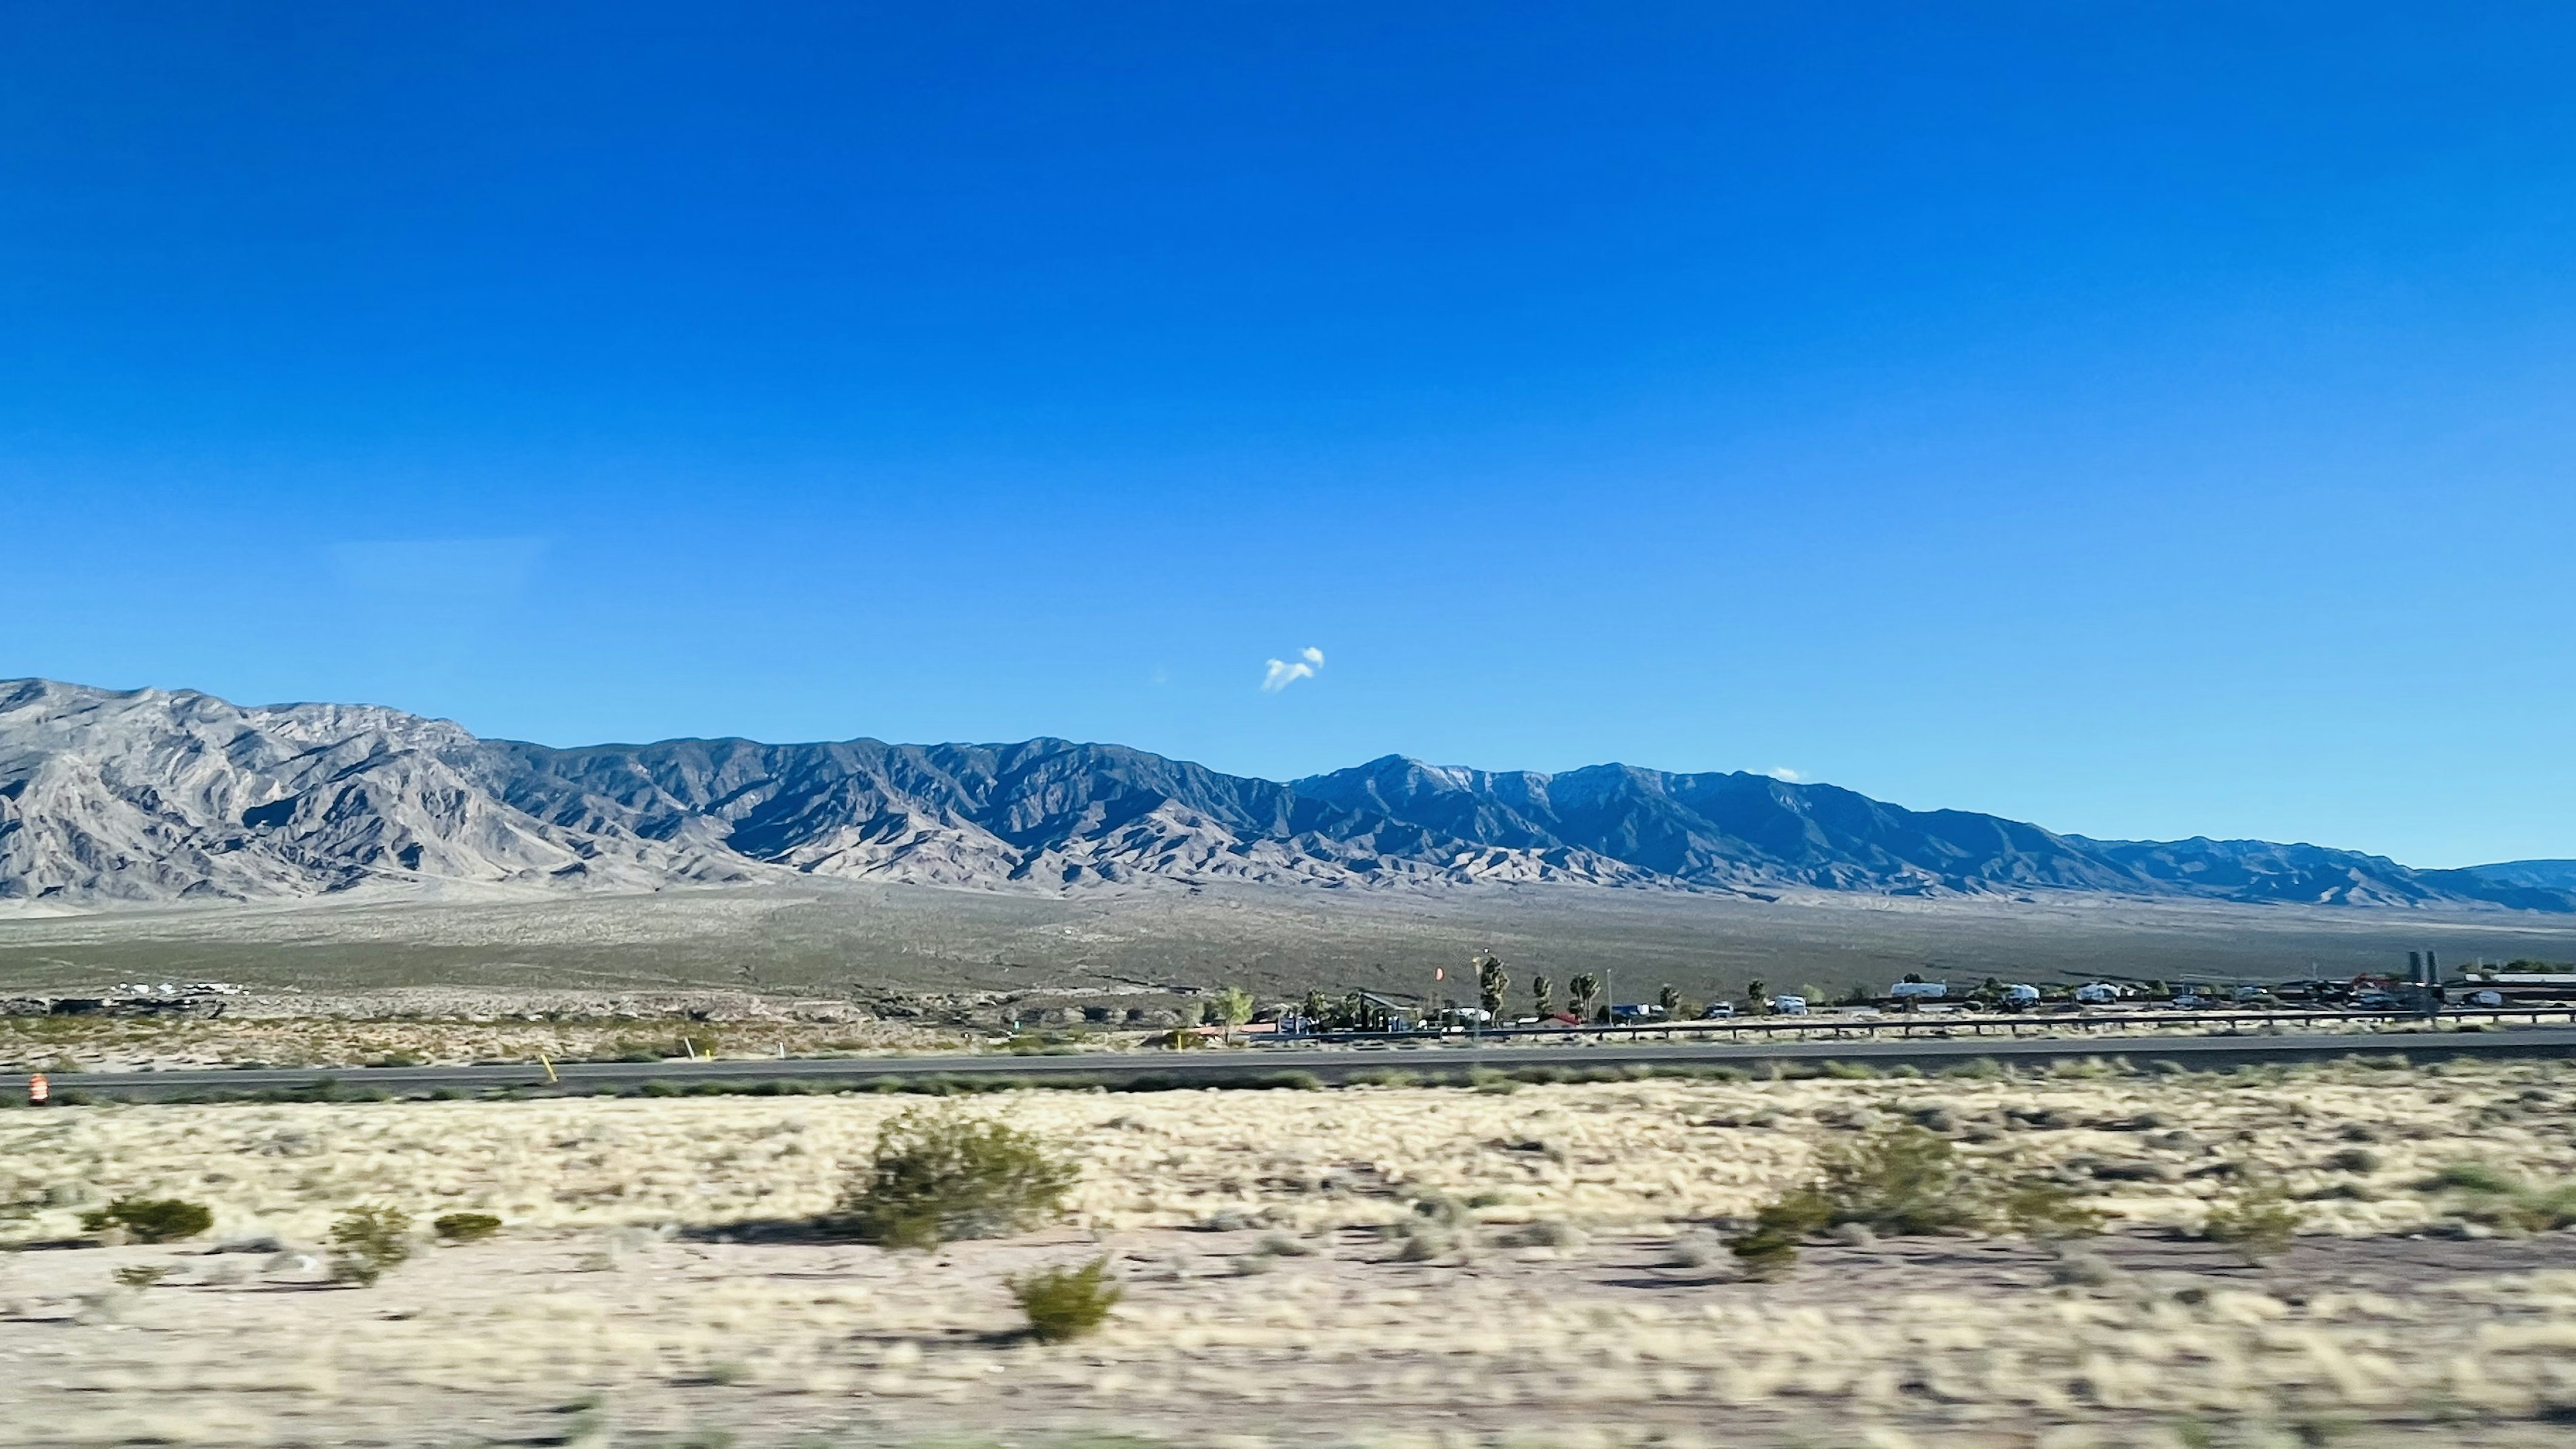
1537,1264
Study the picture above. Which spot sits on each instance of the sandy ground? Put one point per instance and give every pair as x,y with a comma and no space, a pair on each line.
639,1297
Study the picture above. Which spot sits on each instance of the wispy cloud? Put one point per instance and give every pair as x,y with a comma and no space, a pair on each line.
1783,772
1285,672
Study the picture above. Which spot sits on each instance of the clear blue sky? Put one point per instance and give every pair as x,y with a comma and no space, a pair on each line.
2143,419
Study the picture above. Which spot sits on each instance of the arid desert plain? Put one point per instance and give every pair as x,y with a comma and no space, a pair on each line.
1526,1264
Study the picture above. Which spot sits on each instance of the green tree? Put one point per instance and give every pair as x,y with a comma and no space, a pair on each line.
1491,982
1228,1007
1757,997
1316,1009
1669,997
1583,993
1543,996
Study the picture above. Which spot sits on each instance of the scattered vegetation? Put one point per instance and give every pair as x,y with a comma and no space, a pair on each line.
151,1219
1066,1303
141,1275
369,1242
465,1227
939,1175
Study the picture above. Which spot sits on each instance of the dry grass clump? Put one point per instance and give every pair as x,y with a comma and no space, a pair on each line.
1066,1303
938,1175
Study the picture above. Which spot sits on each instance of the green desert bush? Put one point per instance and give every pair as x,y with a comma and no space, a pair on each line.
367,1243
2046,1211
939,1175
2494,1198
1905,1181
1066,1303
465,1227
2258,1220
151,1219
2472,1177
141,1275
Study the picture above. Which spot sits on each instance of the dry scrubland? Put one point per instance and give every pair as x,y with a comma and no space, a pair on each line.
854,939
64,1044
1368,1265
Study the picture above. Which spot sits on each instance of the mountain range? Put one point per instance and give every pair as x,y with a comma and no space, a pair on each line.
147,797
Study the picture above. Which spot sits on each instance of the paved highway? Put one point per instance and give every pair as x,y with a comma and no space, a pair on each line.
1218,1067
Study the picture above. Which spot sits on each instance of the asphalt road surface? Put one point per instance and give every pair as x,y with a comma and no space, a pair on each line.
1218,1067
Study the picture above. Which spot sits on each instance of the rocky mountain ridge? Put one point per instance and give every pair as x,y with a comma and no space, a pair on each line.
149,797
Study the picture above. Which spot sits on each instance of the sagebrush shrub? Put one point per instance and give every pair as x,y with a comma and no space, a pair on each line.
2257,1221
367,1243
151,1220
1905,1182
1064,1303
939,1175
465,1227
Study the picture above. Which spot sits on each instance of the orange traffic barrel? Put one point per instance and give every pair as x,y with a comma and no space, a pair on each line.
38,1093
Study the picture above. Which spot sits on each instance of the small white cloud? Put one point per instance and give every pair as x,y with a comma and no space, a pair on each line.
1285,672
1783,772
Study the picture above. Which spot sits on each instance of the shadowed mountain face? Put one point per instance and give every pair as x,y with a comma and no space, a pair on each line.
2550,875
153,796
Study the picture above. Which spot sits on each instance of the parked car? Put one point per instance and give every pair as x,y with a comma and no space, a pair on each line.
1718,1011
2483,998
